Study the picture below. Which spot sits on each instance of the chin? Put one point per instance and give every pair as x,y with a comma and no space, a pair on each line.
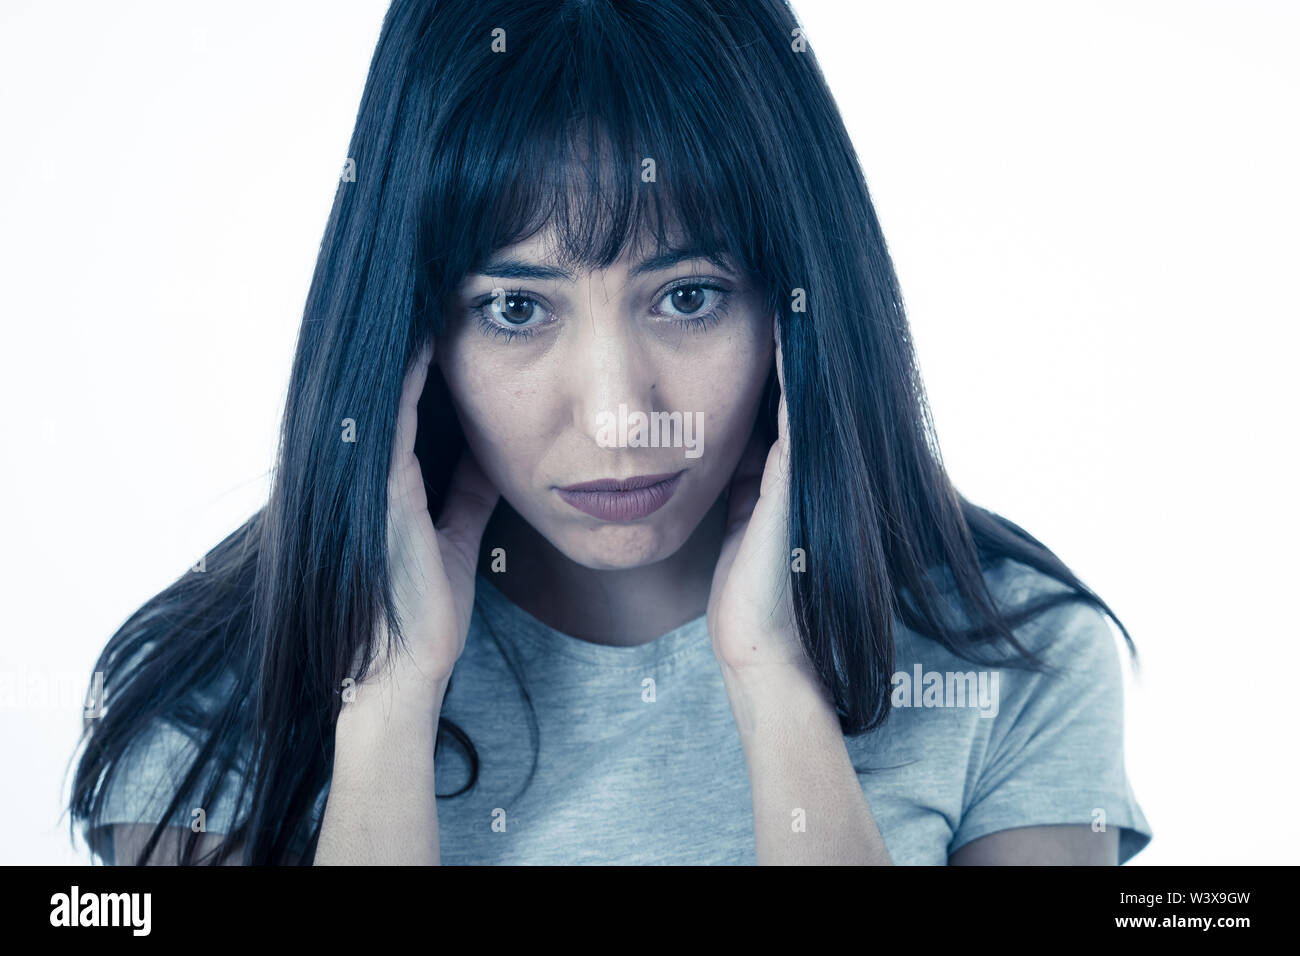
619,547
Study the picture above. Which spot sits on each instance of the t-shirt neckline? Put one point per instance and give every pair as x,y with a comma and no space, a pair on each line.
511,621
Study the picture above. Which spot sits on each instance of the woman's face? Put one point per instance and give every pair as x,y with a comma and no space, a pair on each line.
644,378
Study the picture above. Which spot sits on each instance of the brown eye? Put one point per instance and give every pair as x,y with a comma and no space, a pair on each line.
693,302
688,299
517,309
511,314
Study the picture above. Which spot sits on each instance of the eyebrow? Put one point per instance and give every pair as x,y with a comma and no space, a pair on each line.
512,267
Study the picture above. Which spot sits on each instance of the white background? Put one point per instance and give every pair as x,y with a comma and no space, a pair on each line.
1092,208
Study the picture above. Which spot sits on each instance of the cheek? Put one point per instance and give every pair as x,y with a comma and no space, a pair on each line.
498,411
726,387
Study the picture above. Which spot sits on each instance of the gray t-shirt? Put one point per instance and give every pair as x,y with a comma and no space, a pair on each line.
640,762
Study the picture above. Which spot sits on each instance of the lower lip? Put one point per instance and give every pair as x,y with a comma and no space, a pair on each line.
623,505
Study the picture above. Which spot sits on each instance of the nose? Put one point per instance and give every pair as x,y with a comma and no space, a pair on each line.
608,366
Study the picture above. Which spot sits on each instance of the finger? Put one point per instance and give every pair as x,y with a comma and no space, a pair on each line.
469,502
404,483
746,482
780,365
782,416
782,444
776,470
407,416
775,473
764,514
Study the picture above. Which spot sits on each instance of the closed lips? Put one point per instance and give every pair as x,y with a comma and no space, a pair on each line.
624,484
627,499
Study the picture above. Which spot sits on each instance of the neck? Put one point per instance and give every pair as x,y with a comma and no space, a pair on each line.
623,607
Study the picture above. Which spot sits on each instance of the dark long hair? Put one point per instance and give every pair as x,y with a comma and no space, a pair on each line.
481,122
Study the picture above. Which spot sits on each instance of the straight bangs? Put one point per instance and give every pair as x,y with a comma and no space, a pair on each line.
620,134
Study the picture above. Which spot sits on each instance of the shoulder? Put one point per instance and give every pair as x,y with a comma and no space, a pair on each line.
1079,691
1054,751
154,769
1013,581
1048,617
1070,631
1078,679
162,757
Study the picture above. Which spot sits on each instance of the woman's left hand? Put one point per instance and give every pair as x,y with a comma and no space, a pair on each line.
750,612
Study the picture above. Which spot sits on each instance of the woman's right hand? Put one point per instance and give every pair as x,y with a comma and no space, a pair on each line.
432,567
382,805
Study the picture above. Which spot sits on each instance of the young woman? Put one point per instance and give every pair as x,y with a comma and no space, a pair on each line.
607,504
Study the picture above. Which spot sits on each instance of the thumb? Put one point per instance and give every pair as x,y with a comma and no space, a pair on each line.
467,506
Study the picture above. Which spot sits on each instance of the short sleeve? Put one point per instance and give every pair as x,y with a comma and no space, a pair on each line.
1055,748
151,773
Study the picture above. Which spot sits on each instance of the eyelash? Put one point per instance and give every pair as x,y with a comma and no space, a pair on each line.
692,322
